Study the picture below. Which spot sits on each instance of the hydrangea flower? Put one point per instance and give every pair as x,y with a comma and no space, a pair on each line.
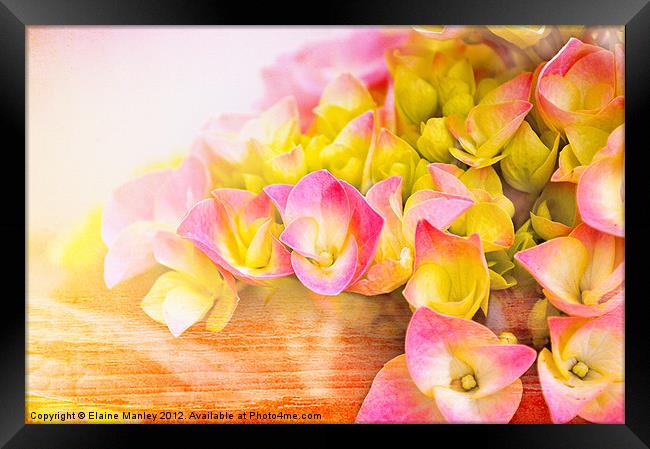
142,209
392,264
331,229
519,45
343,99
346,156
450,274
580,86
236,230
488,126
437,79
454,371
582,274
490,217
583,374
435,140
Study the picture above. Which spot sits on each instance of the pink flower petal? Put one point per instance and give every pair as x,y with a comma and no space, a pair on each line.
558,265
208,226
365,226
386,276
131,253
186,186
492,126
131,202
568,70
435,246
437,208
496,366
598,342
301,235
608,407
445,179
394,398
385,197
243,204
518,88
323,197
305,73
279,193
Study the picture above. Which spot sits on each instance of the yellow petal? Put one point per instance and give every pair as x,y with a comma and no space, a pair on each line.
184,306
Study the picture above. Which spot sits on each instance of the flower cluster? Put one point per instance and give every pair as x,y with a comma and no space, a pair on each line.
449,161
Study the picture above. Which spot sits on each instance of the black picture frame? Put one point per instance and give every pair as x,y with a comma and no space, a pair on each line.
16,15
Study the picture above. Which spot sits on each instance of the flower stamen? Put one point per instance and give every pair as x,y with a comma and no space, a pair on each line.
325,259
580,369
508,338
468,382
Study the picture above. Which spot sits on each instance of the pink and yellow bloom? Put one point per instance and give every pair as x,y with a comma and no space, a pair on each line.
580,86
454,371
305,73
450,274
582,274
141,209
237,231
601,189
491,124
583,374
491,215
392,263
251,153
331,229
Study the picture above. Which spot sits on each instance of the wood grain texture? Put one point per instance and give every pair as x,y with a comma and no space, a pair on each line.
89,348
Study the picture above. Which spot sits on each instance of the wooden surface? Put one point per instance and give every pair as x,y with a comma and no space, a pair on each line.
93,349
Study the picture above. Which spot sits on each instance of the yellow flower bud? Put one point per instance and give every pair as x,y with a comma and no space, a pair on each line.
529,163
393,156
555,212
459,104
415,99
